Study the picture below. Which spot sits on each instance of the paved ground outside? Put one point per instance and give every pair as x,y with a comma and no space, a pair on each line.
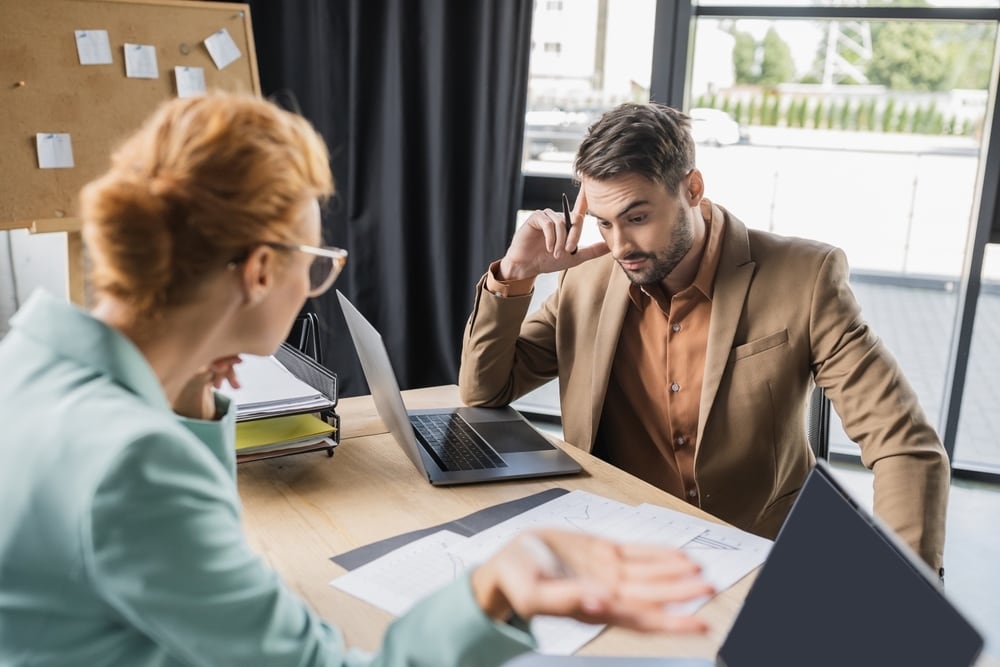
917,325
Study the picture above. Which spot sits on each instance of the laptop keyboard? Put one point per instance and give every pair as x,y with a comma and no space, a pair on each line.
453,443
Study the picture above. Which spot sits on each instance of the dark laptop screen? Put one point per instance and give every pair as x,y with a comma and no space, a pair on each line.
836,591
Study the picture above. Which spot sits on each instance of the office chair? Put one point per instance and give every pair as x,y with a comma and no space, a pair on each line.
818,424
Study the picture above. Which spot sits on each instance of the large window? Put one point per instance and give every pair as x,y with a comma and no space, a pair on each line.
977,446
605,59
864,134
861,126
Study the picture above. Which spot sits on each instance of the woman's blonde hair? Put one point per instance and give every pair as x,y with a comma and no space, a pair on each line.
199,184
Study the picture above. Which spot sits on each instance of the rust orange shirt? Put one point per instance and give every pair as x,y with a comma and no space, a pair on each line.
650,419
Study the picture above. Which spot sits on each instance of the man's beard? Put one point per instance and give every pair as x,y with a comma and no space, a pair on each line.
665,261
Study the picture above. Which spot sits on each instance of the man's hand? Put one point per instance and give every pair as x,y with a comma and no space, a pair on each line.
543,245
197,400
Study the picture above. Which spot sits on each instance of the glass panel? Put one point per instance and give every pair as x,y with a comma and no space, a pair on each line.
586,57
977,445
865,135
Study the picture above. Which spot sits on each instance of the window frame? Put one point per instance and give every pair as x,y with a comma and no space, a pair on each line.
674,25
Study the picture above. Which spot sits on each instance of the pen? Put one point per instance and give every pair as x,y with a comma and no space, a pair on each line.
548,562
567,218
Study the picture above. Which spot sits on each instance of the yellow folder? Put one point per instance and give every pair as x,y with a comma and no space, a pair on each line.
290,430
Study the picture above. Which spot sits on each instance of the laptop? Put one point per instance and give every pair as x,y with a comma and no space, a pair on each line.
454,445
837,589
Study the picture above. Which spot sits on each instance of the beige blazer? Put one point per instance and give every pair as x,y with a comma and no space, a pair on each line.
783,317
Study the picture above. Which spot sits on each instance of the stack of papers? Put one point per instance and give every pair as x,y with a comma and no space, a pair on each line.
397,580
293,433
290,430
268,389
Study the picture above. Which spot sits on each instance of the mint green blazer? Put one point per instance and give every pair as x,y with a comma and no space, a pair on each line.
120,535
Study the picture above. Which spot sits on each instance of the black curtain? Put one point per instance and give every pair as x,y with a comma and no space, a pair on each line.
422,104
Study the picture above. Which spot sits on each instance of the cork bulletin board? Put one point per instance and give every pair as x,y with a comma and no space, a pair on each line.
45,90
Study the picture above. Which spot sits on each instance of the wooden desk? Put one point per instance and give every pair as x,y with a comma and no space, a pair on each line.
301,510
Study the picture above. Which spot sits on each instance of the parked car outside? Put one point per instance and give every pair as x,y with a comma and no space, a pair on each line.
550,134
716,127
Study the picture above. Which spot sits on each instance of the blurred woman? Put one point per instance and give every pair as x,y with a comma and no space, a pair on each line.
120,535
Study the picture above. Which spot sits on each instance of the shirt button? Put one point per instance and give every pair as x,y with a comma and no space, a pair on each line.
680,440
676,328
692,493
675,387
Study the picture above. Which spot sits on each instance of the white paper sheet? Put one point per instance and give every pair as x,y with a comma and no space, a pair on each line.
583,511
397,580
93,47
140,61
401,578
268,388
55,150
222,48
726,554
190,81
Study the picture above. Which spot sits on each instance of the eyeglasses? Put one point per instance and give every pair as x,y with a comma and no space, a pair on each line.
326,264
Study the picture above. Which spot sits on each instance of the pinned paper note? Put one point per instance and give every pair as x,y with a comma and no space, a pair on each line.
55,151
140,61
190,81
222,48
93,47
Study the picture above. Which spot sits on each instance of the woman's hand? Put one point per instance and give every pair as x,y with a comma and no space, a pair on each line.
197,400
591,579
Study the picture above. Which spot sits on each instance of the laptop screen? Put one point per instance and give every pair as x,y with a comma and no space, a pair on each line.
381,378
836,590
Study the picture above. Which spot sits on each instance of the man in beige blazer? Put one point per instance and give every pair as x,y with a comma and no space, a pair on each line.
687,345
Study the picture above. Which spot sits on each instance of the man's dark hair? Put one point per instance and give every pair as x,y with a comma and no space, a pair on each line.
652,139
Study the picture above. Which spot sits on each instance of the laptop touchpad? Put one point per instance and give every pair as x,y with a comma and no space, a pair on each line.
509,437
